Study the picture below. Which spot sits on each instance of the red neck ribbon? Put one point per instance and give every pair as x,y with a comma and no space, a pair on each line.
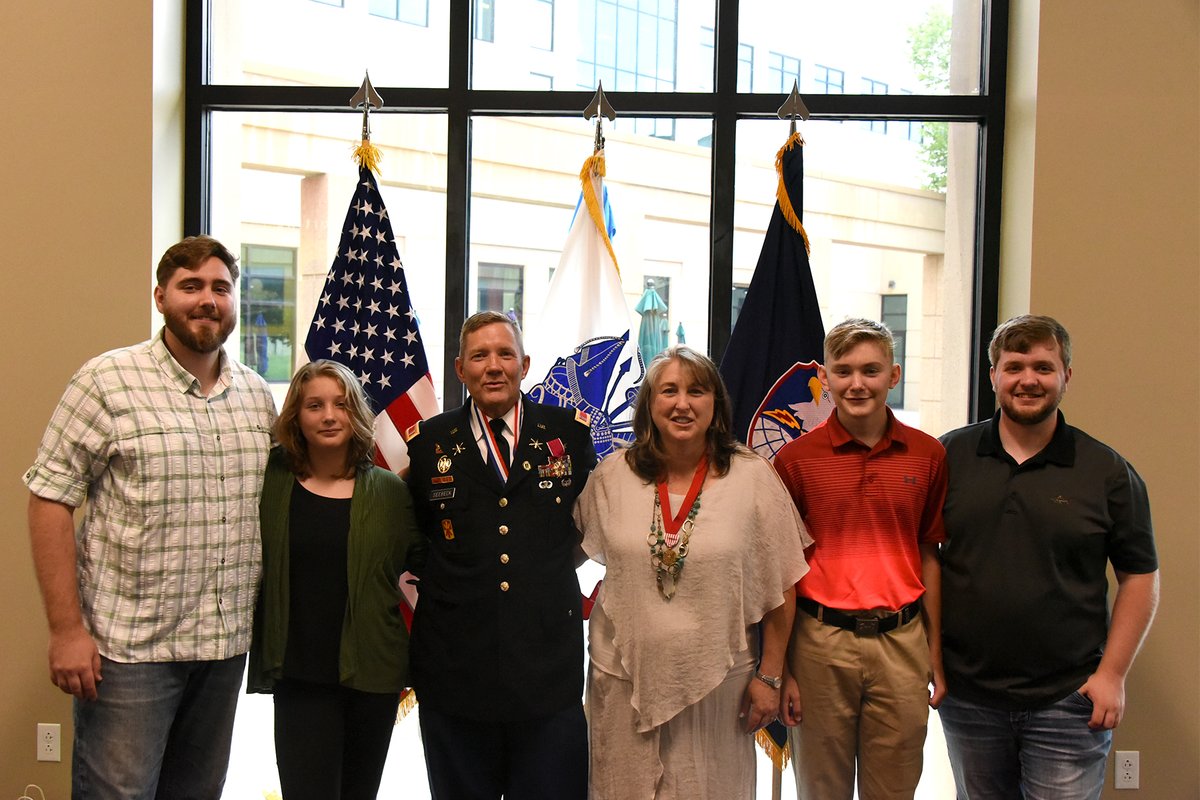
671,524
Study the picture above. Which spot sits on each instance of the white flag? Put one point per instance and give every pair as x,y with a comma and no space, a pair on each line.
580,351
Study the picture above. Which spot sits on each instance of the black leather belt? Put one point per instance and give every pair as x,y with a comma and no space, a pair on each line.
862,623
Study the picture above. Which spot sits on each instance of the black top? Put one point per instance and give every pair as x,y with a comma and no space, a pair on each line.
1024,585
320,527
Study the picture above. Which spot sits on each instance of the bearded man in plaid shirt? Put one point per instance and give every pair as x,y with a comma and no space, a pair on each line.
149,603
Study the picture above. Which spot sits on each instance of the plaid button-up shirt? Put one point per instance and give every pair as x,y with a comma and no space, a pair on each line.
168,555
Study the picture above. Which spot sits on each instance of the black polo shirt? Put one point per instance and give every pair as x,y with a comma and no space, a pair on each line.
1024,585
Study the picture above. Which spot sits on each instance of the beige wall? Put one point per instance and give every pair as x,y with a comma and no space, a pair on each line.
1108,227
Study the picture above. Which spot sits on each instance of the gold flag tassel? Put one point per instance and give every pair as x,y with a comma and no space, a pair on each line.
785,202
780,756
368,155
594,165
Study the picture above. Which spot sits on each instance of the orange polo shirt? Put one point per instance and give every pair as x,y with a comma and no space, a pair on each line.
868,509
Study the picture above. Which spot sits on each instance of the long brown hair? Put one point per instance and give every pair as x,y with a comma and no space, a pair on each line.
358,409
646,456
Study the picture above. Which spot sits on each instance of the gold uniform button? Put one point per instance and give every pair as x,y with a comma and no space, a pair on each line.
503,502
527,466
504,586
504,558
504,530
558,500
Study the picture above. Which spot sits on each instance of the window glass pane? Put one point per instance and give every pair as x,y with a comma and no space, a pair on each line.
400,42
484,17
268,310
922,46
894,313
528,170
501,287
877,230
541,25
648,42
286,215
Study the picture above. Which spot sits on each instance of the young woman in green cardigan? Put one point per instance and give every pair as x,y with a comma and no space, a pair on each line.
329,640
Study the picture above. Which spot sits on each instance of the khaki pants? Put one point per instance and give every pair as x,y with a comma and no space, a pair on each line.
864,700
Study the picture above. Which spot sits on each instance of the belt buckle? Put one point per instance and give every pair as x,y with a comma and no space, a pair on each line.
866,626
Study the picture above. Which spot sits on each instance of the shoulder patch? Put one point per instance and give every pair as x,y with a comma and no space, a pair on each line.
413,431
583,418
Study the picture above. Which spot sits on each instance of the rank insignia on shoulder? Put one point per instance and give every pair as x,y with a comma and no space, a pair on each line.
412,431
583,417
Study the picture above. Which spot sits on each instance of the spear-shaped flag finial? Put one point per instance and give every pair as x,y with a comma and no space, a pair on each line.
599,108
793,107
366,154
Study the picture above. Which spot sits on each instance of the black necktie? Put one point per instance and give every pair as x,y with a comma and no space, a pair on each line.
497,426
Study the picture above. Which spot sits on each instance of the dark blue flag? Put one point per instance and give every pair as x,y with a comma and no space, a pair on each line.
770,365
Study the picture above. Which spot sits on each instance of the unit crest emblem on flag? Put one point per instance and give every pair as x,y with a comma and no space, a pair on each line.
795,404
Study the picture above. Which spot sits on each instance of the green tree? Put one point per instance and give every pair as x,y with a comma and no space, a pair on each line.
929,51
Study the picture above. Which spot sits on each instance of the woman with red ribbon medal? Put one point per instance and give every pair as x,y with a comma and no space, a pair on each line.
701,544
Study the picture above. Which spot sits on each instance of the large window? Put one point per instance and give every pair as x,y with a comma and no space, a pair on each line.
483,140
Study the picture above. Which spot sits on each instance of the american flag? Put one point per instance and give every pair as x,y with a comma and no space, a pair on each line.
365,320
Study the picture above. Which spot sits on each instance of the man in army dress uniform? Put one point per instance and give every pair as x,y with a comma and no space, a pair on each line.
497,639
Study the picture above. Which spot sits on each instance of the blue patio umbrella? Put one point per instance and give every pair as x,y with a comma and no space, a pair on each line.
652,333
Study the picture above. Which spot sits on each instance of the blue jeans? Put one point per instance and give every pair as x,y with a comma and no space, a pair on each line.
1046,754
156,730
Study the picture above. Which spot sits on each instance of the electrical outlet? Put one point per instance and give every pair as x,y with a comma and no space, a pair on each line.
1127,770
49,738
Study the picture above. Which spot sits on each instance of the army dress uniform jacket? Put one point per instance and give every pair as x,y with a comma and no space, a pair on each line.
498,627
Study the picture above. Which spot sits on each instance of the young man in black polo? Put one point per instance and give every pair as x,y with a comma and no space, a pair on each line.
1035,512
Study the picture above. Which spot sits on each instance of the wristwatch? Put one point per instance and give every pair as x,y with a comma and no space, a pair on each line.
773,682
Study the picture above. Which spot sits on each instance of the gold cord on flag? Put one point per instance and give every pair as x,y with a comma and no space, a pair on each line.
594,165
785,202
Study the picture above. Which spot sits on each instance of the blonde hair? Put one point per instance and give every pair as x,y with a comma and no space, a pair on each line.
848,334
358,409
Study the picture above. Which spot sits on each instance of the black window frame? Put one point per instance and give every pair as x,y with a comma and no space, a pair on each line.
725,106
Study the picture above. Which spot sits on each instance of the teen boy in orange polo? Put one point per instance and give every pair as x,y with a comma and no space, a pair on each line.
867,640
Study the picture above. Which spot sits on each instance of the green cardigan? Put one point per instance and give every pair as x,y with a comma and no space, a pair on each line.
374,646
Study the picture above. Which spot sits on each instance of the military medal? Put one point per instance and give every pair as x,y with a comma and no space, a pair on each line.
670,536
558,465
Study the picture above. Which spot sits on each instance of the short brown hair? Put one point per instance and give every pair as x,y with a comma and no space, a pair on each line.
1021,333
482,319
190,254
848,334
645,456
358,408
